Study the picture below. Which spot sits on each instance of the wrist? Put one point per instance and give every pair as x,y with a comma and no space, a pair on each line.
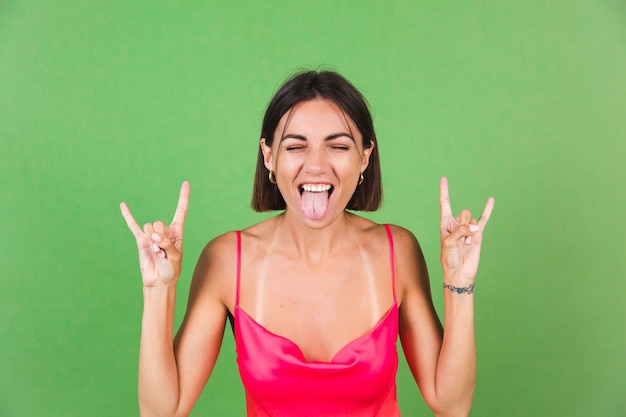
159,290
159,301
467,289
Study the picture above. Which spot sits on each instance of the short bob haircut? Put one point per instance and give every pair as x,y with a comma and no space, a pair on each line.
307,86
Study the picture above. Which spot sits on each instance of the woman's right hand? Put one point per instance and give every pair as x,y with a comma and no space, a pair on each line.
160,246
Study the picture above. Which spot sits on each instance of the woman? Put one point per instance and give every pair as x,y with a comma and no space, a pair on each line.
317,295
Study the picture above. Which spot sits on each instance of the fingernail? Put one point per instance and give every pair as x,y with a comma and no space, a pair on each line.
468,240
155,248
156,237
474,228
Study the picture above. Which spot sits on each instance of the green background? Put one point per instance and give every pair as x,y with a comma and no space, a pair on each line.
109,101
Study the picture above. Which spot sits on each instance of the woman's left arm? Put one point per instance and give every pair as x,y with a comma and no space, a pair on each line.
443,362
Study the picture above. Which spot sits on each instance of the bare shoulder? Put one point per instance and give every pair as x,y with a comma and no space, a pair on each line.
402,236
404,241
406,246
215,272
220,252
411,271
376,235
220,246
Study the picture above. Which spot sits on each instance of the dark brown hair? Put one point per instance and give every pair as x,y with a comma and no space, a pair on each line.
306,86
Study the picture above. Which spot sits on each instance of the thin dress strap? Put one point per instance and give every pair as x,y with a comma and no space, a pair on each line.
239,267
393,260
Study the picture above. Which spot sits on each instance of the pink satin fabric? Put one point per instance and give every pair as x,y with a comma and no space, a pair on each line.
360,380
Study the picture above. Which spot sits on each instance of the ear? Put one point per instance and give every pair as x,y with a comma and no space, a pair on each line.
365,160
268,156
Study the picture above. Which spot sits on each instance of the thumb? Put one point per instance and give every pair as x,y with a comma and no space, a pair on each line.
165,248
463,231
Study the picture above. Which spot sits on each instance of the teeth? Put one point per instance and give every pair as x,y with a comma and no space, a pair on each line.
316,188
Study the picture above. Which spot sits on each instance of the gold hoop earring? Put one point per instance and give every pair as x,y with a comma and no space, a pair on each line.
361,179
272,177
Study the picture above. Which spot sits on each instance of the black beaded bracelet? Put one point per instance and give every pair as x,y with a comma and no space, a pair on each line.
460,290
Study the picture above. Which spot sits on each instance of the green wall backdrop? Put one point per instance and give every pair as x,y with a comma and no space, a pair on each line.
116,100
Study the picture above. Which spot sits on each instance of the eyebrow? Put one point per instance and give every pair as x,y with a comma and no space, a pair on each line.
329,137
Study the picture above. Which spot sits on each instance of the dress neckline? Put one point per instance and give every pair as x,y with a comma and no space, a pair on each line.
391,312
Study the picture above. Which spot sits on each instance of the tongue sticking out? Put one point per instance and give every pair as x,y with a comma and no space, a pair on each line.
314,204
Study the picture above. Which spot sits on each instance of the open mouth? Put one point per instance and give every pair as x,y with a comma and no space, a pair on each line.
316,188
314,199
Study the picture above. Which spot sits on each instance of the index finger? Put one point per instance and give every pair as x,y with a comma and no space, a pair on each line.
181,208
444,198
130,221
484,218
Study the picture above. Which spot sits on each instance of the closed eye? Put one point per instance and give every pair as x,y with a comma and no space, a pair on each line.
293,148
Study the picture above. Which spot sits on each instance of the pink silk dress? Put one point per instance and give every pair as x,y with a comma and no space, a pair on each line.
359,381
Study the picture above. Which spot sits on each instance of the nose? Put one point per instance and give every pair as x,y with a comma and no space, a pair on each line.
315,162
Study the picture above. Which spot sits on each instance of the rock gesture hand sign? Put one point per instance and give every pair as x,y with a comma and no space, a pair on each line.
160,246
461,239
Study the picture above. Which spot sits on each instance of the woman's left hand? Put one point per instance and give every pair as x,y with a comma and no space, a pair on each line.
461,239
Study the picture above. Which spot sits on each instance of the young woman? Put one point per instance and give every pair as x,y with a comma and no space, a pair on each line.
317,295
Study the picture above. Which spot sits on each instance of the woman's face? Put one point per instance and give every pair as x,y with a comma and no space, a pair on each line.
317,156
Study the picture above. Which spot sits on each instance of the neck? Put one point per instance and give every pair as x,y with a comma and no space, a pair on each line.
312,245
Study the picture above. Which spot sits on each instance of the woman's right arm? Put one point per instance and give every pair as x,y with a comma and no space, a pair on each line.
172,374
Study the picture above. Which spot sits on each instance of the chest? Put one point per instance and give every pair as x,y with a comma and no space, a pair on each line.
319,309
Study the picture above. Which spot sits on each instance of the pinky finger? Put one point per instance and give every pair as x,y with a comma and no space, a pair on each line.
130,220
